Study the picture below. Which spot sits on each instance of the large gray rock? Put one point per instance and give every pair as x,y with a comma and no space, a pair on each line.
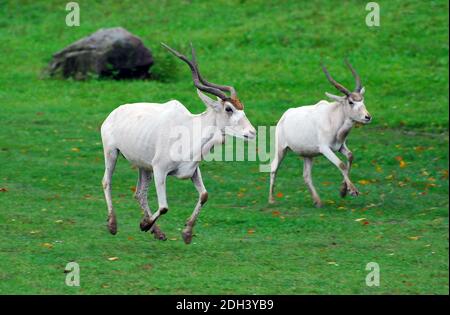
110,52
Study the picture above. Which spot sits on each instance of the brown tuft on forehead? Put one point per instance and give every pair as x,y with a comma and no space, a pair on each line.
236,103
357,97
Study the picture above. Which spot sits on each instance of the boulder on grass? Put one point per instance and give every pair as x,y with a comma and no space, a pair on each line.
110,52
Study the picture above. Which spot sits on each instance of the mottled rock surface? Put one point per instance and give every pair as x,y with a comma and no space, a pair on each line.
110,52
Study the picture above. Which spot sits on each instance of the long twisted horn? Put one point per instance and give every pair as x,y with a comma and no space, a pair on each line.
337,85
196,76
358,85
226,88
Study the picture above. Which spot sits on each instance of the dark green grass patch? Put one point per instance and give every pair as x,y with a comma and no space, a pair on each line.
51,201
242,244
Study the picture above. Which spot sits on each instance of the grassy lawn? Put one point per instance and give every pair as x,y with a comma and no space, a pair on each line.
52,209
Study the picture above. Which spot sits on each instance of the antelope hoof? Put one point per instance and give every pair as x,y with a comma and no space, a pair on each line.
159,235
318,204
343,191
187,236
146,224
353,191
112,225
271,200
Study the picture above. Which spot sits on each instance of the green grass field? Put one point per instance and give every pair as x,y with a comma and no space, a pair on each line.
52,209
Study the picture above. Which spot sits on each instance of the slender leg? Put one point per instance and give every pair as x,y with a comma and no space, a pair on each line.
279,155
160,184
307,168
349,155
329,154
141,196
110,164
202,198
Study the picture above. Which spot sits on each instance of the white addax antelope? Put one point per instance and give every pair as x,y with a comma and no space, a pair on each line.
141,133
321,129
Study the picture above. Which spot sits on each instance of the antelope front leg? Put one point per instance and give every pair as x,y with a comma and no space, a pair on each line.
307,168
203,197
141,196
160,184
279,156
110,164
329,154
349,155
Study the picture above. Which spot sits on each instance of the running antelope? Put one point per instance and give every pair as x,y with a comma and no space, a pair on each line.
141,133
321,129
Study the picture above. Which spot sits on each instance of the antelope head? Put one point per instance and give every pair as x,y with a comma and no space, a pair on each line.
230,115
353,102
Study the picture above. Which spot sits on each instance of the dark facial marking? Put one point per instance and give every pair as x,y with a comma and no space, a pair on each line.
237,103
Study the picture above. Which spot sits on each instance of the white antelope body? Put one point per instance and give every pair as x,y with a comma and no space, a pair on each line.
321,129
141,133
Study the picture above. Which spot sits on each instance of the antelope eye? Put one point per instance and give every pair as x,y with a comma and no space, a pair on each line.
351,103
229,109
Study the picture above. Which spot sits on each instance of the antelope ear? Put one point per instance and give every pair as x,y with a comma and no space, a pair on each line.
209,102
363,90
335,97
